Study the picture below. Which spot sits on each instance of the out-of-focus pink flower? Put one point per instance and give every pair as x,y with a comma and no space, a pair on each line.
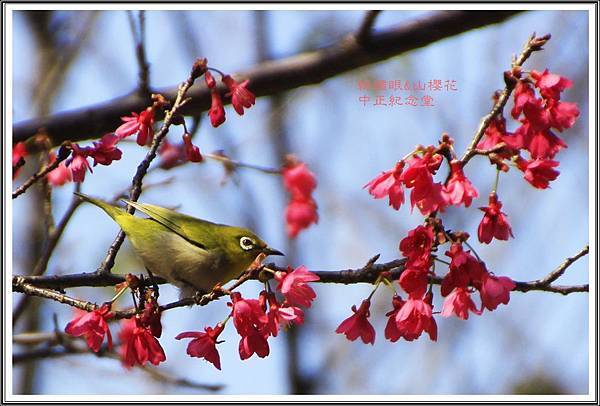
495,290
494,223
140,125
299,181
459,302
92,326
299,215
358,324
253,343
241,97
171,155
19,152
192,152
459,189
61,174
210,80
204,344
294,286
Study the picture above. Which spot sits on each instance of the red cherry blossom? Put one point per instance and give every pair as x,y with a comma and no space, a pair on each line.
294,286
216,112
522,95
358,324
414,278
495,290
151,318
542,143
563,115
192,152
465,269
140,346
414,317
210,80
298,180
538,172
459,302
253,343
280,313
19,151
140,125
204,344
418,243
494,223
171,155
241,97
78,163
388,184
459,189
61,174
550,84
105,151
92,326
248,315
391,329
299,215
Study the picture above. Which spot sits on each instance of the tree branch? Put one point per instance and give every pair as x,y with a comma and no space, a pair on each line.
363,36
271,77
62,155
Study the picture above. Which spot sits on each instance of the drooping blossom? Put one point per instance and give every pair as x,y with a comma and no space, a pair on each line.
280,314
299,215
298,180
418,175
251,323
300,183
241,97
465,270
294,286
414,317
204,344
92,326
171,155
459,189
418,243
541,143
358,324
151,318
459,302
19,152
216,112
495,290
391,331
211,83
415,277
388,184
192,152
140,125
494,223
61,174
78,163
105,151
522,95
139,345
539,172
563,114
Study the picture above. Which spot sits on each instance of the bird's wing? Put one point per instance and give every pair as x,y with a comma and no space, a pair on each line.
192,229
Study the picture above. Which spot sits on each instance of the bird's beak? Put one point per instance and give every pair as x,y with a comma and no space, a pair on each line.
271,251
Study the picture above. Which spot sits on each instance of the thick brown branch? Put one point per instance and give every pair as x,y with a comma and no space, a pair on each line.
272,77
363,36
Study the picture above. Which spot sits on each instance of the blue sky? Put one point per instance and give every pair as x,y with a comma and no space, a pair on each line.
345,144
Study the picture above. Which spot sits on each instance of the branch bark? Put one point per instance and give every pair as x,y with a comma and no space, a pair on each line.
271,77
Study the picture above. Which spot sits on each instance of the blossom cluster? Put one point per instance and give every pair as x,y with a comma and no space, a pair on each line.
467,273
300,183
255,320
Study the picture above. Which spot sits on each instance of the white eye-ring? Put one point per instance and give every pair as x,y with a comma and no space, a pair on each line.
246,243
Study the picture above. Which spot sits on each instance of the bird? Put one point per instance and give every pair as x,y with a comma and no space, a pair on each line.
193,254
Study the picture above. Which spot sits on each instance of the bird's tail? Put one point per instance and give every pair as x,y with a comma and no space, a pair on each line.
111,210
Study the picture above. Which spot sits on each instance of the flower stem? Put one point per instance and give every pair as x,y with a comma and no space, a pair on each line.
496,181
119,293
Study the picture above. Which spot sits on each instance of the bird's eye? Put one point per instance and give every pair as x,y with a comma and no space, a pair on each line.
246,243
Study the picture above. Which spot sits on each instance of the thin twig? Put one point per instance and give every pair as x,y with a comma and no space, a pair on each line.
140,51
558,272
534,44
363,34
62,155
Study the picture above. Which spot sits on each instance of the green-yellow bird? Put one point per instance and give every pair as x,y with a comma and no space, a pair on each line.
189,253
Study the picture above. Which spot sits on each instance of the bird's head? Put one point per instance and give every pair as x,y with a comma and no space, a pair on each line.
244,246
